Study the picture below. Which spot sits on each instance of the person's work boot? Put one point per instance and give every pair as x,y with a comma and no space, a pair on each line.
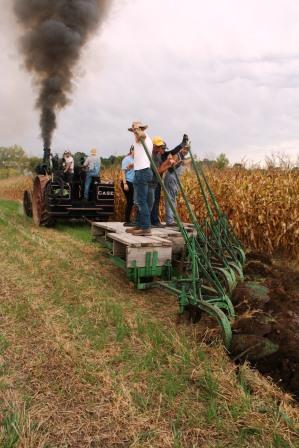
142,232
173,224
132,229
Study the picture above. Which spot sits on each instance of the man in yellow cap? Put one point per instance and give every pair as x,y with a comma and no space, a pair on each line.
173,164
159,147
168,163
92,165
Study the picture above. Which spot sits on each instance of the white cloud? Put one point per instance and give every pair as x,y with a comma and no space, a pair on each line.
226,72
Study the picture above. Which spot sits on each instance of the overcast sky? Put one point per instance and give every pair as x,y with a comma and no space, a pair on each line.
224,71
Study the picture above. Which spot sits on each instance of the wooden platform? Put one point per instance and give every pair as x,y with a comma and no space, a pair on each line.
139,241
135,250
102,228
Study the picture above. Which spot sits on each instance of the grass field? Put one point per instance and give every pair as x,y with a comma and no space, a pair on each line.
87,361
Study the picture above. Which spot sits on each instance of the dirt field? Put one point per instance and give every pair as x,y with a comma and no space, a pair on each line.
87,361
272,315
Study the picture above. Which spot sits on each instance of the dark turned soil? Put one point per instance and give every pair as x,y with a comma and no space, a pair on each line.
267,329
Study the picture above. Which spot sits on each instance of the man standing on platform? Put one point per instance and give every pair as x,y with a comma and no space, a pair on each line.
175,158
127,184
143,178
159,147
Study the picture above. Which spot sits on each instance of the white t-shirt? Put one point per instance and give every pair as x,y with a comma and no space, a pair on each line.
141,160
70,160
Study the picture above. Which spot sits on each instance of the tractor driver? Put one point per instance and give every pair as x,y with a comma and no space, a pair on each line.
92,165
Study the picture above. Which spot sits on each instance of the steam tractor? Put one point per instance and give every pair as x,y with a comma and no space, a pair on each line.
53,198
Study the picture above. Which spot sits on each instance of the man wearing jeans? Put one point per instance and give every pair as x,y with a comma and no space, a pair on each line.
143,178
92,166
176,158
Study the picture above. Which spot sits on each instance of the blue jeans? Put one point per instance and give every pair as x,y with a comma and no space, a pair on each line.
88,179
172,189
155,210
143,197
151,196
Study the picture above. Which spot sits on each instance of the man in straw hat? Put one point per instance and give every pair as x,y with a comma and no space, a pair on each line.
143,178
92,165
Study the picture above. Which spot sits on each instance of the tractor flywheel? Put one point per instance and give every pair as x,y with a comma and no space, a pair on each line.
40,213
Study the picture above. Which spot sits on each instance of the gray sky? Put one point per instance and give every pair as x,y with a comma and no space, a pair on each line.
224,71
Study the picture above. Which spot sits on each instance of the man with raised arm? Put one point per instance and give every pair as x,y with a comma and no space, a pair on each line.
143,178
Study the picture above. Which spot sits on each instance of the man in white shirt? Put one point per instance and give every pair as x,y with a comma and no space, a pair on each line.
143,177
68,168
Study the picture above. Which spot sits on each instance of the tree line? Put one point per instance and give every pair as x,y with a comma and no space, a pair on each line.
15,161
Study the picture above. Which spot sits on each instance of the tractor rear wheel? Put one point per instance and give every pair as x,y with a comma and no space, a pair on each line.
27,203
40,213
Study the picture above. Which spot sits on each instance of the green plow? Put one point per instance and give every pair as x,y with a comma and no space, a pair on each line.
212,262
220,231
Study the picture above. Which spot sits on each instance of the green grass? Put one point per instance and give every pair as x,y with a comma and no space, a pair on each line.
279,442
8,207
4,344
86,340
77,230
10,428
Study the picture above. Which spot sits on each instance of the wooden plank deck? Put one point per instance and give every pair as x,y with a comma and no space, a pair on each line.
134,250
164,241
138,241
102,228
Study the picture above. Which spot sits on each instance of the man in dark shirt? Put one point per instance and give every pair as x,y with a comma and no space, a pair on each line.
176,157
159,147
168,162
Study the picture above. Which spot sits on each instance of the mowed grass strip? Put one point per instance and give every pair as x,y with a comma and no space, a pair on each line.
86,361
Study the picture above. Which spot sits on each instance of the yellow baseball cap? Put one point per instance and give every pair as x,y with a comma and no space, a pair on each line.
157,141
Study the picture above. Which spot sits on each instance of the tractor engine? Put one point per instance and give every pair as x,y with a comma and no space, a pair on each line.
54,197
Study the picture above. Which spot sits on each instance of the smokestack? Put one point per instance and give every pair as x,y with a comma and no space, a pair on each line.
55,32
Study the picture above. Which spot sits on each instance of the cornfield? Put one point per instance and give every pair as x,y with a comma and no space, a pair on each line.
262,205
13,187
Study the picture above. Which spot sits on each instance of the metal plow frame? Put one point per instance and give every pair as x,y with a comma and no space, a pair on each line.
214,259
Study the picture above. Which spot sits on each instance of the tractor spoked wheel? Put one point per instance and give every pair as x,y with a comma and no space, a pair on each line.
27,203
40,214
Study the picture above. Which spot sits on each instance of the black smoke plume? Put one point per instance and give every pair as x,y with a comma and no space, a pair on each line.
55,31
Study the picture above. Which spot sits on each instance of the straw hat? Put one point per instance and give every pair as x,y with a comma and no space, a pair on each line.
137,125
93,152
